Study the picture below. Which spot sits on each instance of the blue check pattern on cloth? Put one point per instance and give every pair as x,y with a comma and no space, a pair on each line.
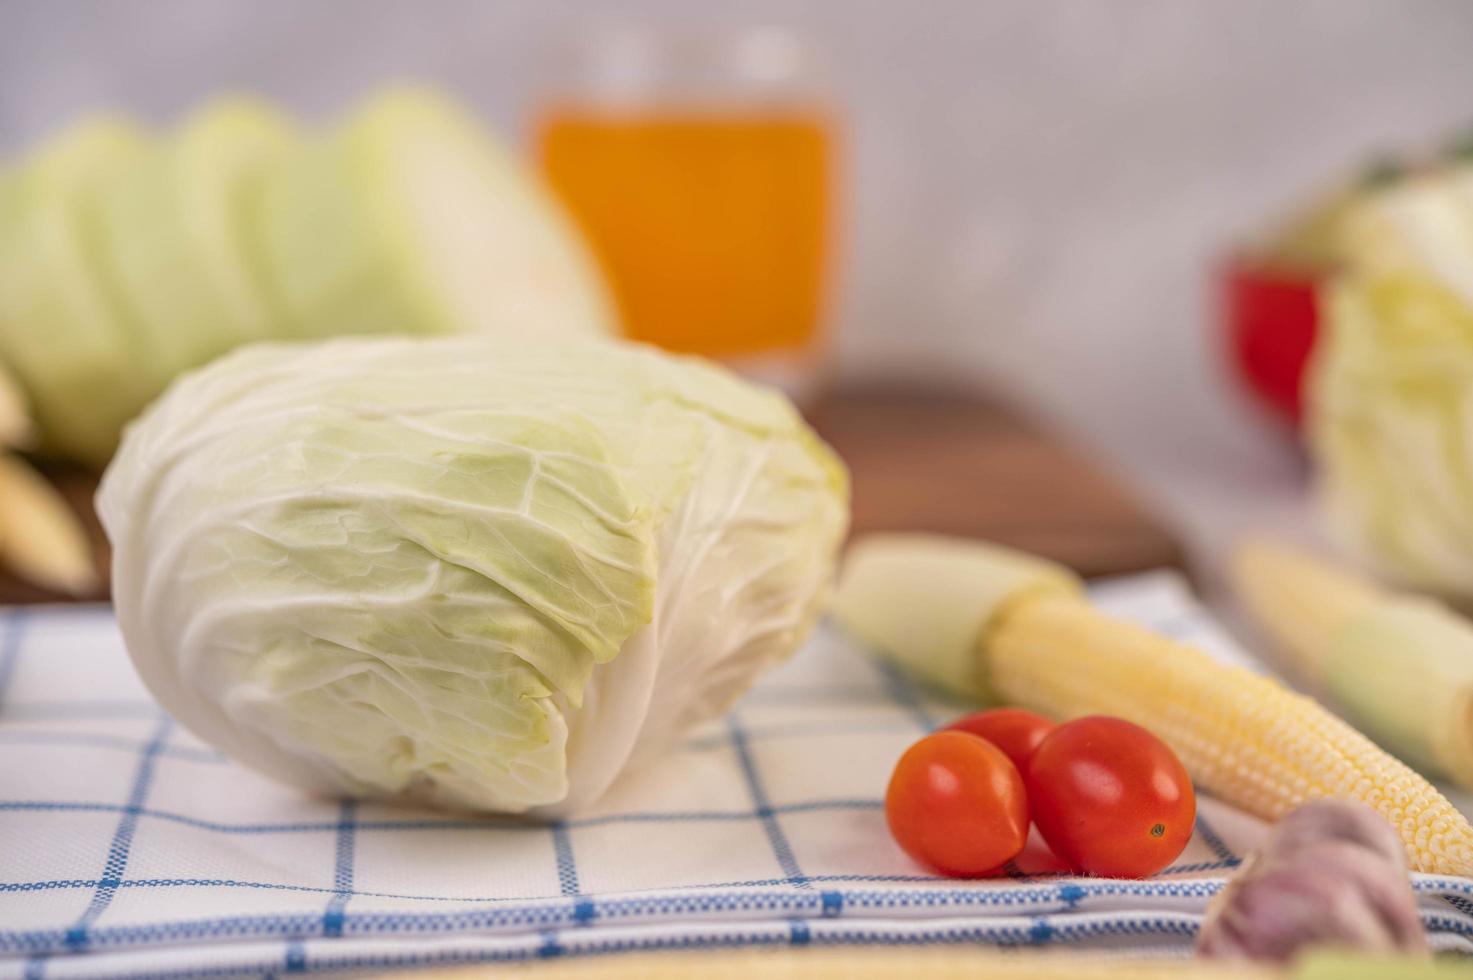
129,848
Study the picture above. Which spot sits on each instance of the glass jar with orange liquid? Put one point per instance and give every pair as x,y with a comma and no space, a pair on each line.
702,171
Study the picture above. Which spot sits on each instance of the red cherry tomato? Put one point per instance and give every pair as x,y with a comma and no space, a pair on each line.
957,805
1015,731
1110,798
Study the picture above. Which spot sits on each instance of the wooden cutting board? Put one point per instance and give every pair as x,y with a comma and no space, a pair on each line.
950,464
957,464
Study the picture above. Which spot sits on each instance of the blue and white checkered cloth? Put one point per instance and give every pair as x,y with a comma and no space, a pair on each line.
128,848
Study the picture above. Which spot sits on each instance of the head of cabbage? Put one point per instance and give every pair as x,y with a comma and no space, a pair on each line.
1391,384
479,573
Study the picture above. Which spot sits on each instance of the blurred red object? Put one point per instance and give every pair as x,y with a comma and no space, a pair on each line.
1271,320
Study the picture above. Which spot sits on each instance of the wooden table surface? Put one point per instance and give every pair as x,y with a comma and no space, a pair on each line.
937,462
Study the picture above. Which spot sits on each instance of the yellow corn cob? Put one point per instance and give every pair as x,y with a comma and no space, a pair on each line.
40,538
1298,601
1244,738
1400,667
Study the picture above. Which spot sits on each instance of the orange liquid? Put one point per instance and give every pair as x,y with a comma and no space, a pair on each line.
711,227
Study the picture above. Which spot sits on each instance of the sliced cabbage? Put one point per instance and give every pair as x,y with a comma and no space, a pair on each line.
60,331
411,219
124,260
483,573
173,235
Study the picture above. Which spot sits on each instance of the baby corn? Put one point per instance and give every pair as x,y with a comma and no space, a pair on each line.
1244,738
40,538
1398,666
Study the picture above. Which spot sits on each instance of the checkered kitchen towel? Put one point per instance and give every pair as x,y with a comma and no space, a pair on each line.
127,848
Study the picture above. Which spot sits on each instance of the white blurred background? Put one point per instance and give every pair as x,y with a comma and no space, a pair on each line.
1036,192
